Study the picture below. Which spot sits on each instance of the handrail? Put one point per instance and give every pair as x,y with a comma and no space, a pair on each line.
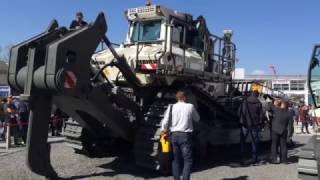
273,92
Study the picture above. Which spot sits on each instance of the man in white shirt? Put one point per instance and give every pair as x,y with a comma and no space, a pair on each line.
180,126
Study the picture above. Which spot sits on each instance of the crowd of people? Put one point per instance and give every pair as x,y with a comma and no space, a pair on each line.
15,113
307,115
280,114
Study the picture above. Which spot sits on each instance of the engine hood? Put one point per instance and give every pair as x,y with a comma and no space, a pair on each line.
147,54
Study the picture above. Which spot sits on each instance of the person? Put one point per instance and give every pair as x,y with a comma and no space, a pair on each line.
2,118
78,22
304,118
275,103
313,117
291,124
267,107
23,116
181,128
279,132
251,117
57,122
11,119
296,112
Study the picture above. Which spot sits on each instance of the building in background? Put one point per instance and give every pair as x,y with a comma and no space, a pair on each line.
294,86
239,73
4,87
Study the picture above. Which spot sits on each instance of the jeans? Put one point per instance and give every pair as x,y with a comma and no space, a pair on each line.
279,139
254,134
182,154
304,124
24,118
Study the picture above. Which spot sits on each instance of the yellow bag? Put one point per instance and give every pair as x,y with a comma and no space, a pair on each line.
165,143
165,155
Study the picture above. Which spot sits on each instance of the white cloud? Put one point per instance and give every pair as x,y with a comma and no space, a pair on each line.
258,72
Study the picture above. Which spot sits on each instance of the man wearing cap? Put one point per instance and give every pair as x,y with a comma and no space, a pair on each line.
78,22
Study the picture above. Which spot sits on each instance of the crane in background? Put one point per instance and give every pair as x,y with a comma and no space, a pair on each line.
273,71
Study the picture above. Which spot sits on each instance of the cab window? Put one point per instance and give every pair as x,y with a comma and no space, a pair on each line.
146,31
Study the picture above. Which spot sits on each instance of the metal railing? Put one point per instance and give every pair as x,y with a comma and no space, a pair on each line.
246,86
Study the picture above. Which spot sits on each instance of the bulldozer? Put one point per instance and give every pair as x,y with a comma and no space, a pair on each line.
121,93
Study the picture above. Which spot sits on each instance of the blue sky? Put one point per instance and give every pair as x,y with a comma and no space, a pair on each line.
278,32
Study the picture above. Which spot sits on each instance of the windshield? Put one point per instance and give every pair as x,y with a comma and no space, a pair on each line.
146,31
315,76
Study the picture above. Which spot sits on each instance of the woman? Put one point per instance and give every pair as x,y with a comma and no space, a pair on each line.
304,118
279,132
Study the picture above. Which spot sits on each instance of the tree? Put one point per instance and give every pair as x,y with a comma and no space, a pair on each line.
0,53
5,52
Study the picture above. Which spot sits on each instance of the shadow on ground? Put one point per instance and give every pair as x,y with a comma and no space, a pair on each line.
237,178
220,156
123,164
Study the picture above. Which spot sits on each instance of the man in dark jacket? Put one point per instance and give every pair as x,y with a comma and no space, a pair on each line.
78,22
251,117
279,132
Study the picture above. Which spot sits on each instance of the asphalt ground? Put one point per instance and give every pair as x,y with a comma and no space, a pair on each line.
220,165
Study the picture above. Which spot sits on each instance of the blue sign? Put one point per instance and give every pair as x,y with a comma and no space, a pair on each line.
4,91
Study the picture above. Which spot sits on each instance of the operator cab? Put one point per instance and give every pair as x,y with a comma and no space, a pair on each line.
154,23
159,34
314,76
